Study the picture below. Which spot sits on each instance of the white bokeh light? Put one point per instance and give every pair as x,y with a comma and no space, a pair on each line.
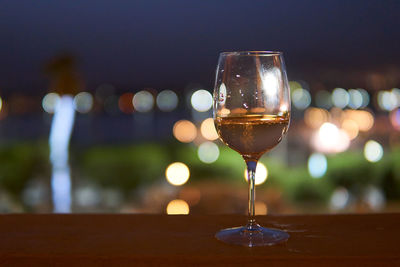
49,102
340,98
143,101
356,99
83,102
208,152
301,98
201,100
373,151
329,139
317,165
167,100
340,198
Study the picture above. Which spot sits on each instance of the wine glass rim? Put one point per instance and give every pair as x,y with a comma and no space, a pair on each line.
253,53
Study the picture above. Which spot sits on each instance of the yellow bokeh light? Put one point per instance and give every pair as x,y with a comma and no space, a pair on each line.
208,130
260,208
185,131
177,206
177,173
261,174
363,118
351,128
315,117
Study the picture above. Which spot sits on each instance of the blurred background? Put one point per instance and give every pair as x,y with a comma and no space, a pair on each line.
107,107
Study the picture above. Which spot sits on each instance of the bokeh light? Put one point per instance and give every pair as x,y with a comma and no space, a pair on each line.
261,174
49,102
184,131
363,118
177,206
323,99
125,103
143,101
365,97
340,98
340,198
389,100
167,100
356,99
208,152
177,173
351,128
83,102
301,98
201,100
315,117
373,151
375,198
260,208
395,118
208,130
317,165
329,139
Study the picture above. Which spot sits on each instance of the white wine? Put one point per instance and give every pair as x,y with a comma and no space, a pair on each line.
252,135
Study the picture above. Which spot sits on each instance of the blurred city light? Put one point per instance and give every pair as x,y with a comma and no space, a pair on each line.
317,165
177,173
1,103
356,99
340,198
340,98
373,151
208,130
260,208
60,134
167,100
365,97
125,103
375,198
301,98
201,100
143,101
395,118
208,152
177,206
329,139
184,131
87,196
363,118
49,102
83,102
261,174
323,99
351,128
389,100
315,117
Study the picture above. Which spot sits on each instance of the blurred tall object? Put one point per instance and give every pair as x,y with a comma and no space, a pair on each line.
65,81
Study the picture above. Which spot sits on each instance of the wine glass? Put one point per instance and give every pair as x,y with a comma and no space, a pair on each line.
251,115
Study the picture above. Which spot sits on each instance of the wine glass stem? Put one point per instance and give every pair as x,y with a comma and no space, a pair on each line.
251,174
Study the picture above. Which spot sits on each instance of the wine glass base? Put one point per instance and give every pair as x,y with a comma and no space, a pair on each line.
255,236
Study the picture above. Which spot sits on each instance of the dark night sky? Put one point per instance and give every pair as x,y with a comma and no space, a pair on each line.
171,43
